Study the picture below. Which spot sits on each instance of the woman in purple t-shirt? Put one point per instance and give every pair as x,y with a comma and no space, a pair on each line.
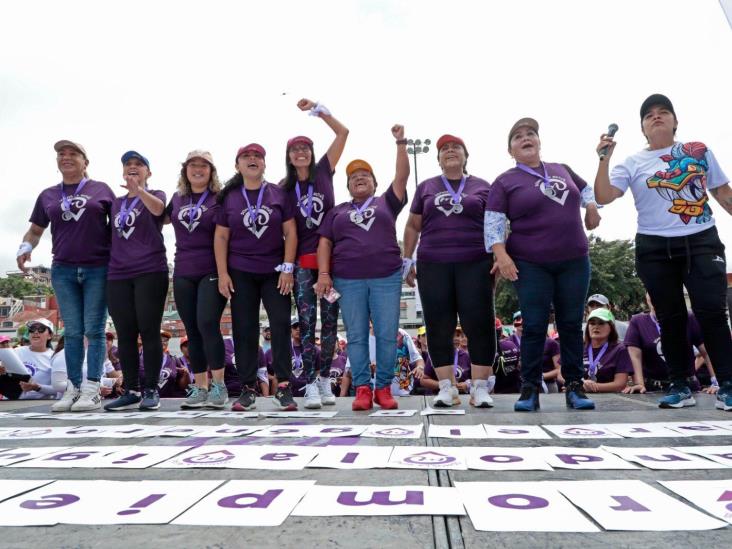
78,211
309,186
607,362
192,212
359,237
138,283
546,256
255,245
677,245
453,269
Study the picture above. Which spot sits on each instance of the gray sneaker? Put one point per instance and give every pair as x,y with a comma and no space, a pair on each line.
196,397
217,396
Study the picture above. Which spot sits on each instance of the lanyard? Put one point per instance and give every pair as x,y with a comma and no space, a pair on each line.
254,214
359,217
456,196
308,204
65,203
530,171
193,210
594,362
124,213
658,326
296,357
455,362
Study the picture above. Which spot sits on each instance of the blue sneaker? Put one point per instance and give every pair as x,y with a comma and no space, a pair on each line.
724,397
128,401
576,397
528,400
678,396
150,400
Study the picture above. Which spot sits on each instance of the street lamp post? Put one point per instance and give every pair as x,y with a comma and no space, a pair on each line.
415,147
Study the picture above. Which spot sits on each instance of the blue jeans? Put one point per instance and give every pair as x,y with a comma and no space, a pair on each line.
564,284
376,299
82,299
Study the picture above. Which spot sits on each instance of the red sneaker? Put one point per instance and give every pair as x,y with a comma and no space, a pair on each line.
383,398
364,398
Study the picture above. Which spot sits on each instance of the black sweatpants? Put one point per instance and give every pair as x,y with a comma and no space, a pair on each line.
251,289
452,290
200,306
136,307
666,265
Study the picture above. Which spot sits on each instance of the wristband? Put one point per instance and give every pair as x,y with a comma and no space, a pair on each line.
319,109
407,264
323,273
286,268
25,248
401,141
714,381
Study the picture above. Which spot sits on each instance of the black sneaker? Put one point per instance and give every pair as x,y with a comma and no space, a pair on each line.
576,397
245,401
129,400
150,400
283,399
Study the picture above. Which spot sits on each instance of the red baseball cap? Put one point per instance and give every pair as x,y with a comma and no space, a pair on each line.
299,139
447,138
251,148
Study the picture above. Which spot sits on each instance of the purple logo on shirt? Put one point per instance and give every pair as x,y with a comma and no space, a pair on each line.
558,192
261,223
184,216
316,216
364,219
129,227
78,202
447,205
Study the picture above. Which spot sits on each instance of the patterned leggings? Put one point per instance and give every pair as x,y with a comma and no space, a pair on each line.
307,309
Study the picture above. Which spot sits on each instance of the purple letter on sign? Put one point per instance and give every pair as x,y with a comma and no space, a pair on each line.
350,457
627,504
513,431
72,456
281,456
525,501
576,459
50,501
664,457
501,459
413,497
261,501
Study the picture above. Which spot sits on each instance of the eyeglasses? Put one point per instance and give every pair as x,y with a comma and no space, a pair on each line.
37,329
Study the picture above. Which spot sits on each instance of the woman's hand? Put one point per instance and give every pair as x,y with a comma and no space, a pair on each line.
285,283
305,104
323,285
590,386
411,277
637,388
397,130
133,184
606,141
592,217
29,386
504,265
226,285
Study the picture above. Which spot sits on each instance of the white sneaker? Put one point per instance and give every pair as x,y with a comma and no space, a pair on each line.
312,395
325,390
70,396
479,396
90,398
448,395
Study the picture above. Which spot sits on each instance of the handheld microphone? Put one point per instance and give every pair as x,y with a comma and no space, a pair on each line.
611,129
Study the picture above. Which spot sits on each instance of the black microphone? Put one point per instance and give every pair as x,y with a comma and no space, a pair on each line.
611,129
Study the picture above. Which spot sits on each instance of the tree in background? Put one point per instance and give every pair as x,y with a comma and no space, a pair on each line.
613,275
19,287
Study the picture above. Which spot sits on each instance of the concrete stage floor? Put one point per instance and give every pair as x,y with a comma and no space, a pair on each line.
365,532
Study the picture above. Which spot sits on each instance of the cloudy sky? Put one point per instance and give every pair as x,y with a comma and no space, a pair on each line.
167,77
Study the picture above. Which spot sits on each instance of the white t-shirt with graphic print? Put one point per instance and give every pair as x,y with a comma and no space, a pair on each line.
669,188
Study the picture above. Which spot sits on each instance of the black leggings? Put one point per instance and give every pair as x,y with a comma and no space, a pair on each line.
136,306
200,306
666,265
251,289
463,289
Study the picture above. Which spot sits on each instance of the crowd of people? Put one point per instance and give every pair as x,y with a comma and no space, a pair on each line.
257,243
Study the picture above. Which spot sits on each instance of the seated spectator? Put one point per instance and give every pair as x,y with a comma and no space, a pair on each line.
36,357
507,366
409,365
606,360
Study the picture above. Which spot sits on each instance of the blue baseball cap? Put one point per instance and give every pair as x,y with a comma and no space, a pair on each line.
129,155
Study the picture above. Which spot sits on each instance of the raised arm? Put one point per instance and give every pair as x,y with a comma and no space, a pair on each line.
341,132
399,186
604,191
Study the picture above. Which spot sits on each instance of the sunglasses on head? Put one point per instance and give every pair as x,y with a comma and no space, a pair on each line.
37,329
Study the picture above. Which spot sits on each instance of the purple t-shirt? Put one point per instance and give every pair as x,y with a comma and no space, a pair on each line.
323,201
194,255
507,367
551,349
231,375
256,247
615,360
168,380
646,335
546,225
367,248
138,247
461,370
337,369
80,236
299,377
451,233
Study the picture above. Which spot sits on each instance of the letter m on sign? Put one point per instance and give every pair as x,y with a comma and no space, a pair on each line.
413,497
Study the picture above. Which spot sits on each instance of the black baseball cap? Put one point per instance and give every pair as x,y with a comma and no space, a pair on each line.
653,100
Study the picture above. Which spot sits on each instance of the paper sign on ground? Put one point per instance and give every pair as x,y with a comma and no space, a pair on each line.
642,430
136,457
338,501
665,459
244,457
515,431
333,431
504,459
69,458
319,415
393,413
393,431
580,431
352,457
633,505
698,429
225,431
520,507
228,414
714,496
561,457
11,487
180,414
719,454
442,412
177,431
427,457
248,503
8,456
456,431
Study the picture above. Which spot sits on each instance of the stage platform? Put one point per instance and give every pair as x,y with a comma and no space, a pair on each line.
365,532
